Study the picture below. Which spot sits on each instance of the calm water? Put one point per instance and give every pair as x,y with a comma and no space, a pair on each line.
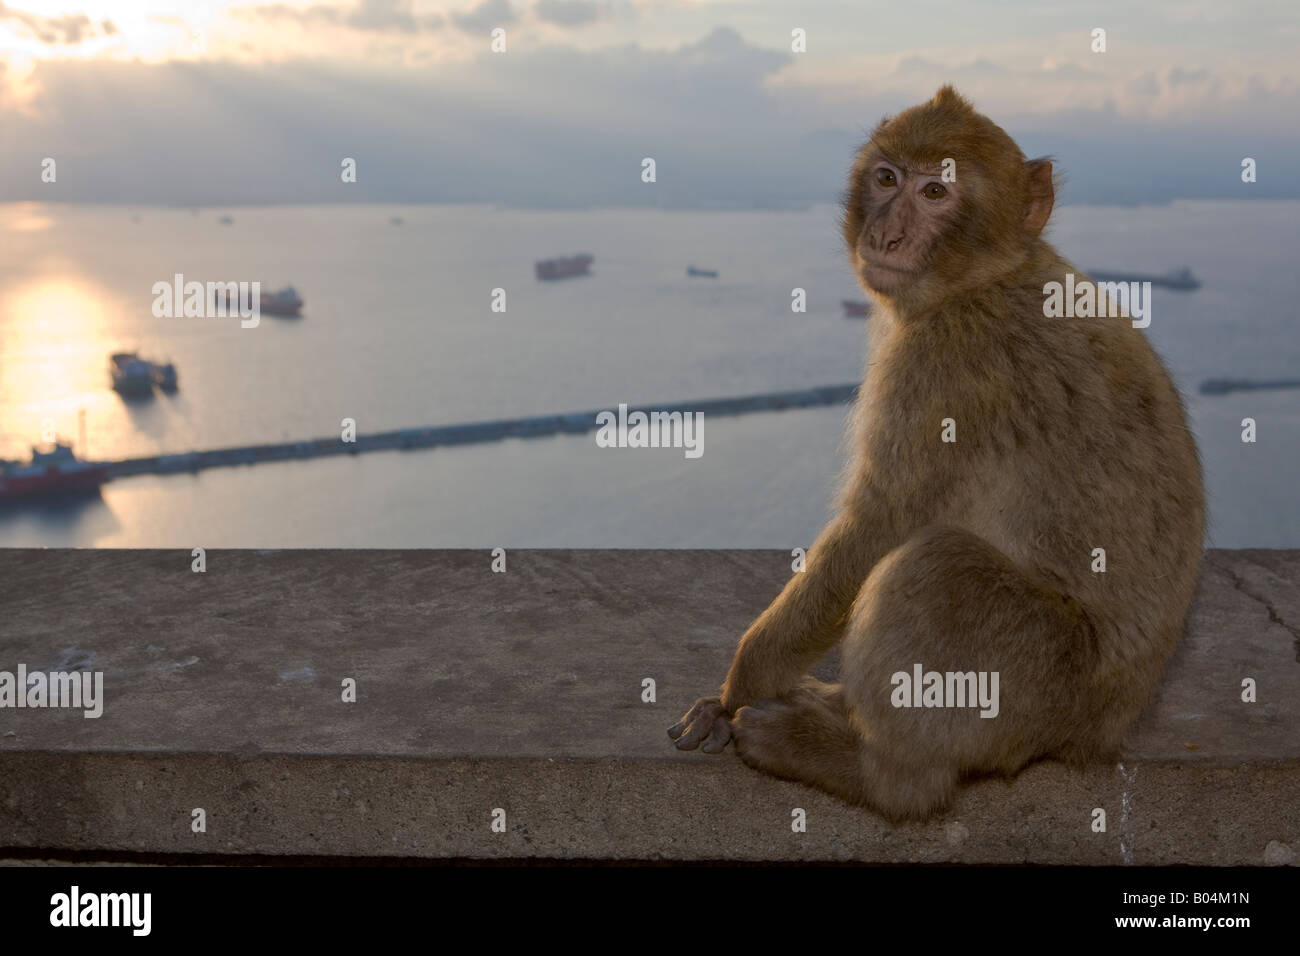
398,331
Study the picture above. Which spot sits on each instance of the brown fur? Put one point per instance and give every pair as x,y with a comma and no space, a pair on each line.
974,555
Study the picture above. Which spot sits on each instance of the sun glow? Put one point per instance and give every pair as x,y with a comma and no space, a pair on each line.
112,29
48,326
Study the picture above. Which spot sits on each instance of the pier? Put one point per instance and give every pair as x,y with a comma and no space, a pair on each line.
540,426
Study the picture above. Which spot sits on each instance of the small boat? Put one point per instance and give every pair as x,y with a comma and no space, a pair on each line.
131,374
564,267
164,376
53,470
396,221
1179,279
693,272
855,310
226,220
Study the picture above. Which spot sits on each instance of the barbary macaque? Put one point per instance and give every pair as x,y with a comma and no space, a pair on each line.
1024,502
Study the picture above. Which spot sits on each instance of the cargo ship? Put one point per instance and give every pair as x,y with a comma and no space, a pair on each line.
285,302
564,267
52,471
694,273
1180,279
1221,386
855,310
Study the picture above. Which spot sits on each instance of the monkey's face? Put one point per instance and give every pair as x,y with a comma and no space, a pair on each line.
941,200
905,214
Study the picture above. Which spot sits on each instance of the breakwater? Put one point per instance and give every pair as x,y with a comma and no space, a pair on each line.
434,436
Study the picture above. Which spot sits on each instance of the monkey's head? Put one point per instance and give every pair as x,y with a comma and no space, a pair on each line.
941,199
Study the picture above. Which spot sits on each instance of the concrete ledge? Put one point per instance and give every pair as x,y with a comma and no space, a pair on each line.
523,691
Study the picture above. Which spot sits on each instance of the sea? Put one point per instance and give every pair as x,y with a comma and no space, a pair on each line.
399,331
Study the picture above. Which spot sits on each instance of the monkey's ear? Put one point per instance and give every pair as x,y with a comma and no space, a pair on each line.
1042,195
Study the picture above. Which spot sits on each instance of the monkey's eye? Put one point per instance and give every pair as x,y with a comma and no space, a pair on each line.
886,177
934,191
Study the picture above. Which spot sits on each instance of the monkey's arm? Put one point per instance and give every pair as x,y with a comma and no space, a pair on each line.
806,619
804,622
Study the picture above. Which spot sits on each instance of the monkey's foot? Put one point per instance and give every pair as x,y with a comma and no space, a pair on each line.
763,734
802,736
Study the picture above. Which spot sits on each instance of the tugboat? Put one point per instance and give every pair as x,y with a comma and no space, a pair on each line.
565,267
53,470
131,374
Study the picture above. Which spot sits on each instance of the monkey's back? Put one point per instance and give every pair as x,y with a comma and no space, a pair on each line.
1072,454
1115,509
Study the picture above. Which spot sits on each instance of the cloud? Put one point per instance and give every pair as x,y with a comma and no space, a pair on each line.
317,13
391,15
379,16
569,13
982,69
556,125
67,29
1179,77
548,126
485,16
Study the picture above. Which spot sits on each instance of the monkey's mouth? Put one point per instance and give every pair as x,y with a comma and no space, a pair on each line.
876,264
899,272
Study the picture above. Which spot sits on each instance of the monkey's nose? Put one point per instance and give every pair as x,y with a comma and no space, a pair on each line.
877,241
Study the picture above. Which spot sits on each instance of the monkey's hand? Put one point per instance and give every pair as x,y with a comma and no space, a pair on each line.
705,721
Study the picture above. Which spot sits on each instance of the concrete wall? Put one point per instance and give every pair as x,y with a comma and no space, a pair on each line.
523,691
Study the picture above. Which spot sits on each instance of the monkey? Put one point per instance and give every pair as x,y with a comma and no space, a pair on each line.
996,454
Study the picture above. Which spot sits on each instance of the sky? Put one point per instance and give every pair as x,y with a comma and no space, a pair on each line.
236,102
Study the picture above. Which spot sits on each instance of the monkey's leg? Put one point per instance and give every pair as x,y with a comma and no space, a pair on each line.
804,735
804,622
952,603
807,619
